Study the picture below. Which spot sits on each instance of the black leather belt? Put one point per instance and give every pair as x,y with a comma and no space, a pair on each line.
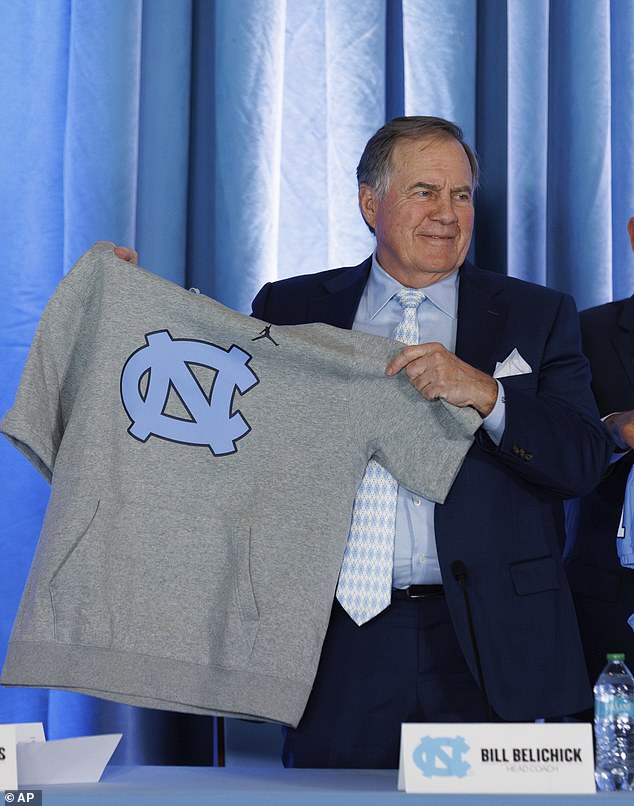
418,592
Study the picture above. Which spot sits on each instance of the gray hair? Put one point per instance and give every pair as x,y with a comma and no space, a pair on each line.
374,167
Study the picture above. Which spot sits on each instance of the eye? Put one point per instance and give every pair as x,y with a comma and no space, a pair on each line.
463,197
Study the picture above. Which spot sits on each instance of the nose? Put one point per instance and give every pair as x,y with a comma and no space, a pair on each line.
444,210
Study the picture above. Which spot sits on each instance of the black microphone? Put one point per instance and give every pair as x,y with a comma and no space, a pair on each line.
459,571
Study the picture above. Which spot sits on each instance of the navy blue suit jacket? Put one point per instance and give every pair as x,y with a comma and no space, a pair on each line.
603,590
503,517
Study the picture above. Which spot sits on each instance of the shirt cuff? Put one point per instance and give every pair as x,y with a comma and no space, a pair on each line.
495,422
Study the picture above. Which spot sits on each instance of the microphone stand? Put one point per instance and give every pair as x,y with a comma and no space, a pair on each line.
459,571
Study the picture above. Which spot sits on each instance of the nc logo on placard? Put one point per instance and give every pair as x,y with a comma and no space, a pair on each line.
441,756
167,362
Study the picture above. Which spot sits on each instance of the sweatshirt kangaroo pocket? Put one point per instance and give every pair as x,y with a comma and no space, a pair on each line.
171,583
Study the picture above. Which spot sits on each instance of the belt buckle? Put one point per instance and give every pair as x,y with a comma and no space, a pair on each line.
426,591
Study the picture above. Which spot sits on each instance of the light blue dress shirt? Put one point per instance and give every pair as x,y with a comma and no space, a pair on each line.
415,555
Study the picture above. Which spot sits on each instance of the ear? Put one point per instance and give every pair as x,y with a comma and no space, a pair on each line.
368,204
630,229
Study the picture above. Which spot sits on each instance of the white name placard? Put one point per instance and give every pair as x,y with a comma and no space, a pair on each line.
8,759
504,758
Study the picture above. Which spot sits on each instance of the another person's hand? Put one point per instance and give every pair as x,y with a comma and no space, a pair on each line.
437,373
621,425
124,252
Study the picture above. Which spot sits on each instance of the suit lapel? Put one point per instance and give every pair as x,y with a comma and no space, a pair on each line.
481,319
623,340
339,304
481,316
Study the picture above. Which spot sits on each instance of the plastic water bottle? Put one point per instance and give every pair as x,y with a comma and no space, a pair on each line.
614,726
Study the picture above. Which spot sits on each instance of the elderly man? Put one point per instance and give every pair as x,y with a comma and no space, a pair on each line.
512,351
461,611
603,588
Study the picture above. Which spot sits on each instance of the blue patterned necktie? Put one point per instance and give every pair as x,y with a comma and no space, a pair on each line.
365,581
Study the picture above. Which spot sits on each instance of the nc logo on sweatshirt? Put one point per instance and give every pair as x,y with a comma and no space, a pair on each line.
165,367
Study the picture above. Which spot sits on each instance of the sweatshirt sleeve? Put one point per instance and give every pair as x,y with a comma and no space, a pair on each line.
421,443
35,423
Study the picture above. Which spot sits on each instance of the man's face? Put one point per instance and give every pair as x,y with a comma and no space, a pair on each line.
424,222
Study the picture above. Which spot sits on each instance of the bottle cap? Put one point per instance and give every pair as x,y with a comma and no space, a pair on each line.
615,656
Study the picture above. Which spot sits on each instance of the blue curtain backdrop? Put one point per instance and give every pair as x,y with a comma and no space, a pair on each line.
221,139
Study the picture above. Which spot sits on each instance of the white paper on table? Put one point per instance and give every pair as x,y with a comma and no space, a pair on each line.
29,732
80,760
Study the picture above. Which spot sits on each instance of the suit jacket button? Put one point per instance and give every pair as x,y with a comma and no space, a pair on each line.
516,449
528,456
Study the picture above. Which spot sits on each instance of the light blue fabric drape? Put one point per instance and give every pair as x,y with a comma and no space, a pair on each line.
165,77
221,139
528,159
94,145
619,273
440,50
579,150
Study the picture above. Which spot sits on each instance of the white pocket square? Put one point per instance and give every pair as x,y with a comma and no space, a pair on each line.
514,364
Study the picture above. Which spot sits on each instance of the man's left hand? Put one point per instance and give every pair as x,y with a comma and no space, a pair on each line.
621,425
437,373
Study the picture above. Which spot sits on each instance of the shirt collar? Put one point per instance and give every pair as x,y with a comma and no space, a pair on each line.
381,287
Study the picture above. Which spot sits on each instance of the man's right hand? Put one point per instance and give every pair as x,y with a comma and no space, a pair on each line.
124,252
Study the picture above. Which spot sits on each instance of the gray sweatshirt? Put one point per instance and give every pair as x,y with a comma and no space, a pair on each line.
203,467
